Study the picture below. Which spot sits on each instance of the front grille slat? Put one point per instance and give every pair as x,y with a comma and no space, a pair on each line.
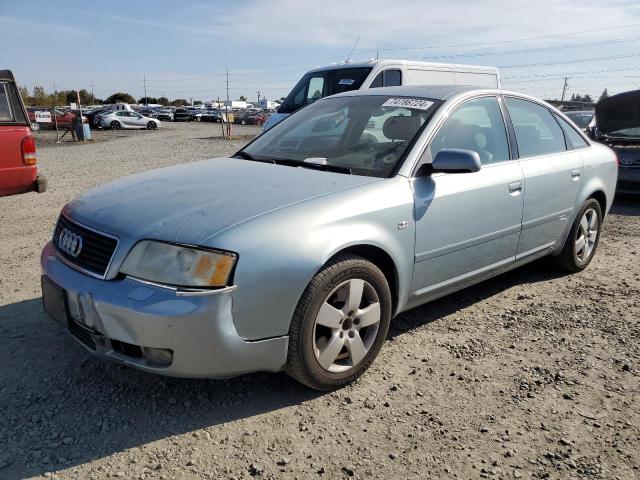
97,248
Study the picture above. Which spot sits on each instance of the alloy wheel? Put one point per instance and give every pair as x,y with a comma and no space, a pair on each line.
346,325
586,235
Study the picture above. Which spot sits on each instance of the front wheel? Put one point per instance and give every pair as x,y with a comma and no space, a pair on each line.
151,126
582,241
339,324
35,126
115,125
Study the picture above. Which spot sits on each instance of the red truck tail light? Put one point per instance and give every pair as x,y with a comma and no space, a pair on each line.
28,147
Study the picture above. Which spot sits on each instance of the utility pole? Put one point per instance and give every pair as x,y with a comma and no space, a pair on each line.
93,98
564,88
258,92
144,80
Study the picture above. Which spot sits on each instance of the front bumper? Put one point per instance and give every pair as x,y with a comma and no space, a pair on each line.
628,180
198,329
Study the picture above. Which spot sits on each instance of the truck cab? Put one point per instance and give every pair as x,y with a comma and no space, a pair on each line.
330,80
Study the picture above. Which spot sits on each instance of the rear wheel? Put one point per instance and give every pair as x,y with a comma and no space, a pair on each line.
582,241
115,125
339,324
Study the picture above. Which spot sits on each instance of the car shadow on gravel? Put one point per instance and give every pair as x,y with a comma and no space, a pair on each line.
628,205
538,271
61,407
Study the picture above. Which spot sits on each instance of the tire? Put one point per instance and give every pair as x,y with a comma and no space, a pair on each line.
35,126
115,125
151,126
575,256
327,358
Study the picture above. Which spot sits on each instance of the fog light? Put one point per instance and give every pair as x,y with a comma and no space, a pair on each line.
159,356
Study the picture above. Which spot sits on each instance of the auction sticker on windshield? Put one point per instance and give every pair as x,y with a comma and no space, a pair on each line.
346,81
415,103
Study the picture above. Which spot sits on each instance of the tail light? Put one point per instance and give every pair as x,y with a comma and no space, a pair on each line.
28,147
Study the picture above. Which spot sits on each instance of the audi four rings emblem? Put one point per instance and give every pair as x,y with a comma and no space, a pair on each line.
70,242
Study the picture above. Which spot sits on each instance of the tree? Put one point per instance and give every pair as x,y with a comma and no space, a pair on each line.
197,102
120,97
604,95
146,100
243,98
179,102
40,97
24,93
587,98
164,101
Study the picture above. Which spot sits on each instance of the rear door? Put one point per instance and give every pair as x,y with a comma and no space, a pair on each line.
552,175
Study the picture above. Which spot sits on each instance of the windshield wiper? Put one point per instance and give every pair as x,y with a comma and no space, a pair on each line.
314,166
248,156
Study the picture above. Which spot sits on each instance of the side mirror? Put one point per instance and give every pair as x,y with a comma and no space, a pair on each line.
452,160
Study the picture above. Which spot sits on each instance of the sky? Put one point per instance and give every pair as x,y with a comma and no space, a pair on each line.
184,48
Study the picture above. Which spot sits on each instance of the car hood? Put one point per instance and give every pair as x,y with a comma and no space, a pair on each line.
618,112
189,203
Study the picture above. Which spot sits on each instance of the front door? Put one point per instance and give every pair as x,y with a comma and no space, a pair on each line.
468,223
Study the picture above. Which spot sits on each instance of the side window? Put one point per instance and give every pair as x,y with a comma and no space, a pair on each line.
316,87
378,81
121,114
387,78
574,138
392,78
476,125
5,106
537,132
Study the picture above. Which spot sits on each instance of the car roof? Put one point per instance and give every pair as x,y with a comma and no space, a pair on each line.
433,92
391,61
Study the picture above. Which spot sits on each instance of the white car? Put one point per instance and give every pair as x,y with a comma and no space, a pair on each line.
126,119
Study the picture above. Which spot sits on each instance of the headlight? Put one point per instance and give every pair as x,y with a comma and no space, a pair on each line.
179,266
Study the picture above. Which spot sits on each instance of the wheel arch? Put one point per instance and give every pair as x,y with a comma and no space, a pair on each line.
601,197
381,259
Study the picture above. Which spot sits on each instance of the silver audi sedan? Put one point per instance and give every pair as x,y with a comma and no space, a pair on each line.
297,252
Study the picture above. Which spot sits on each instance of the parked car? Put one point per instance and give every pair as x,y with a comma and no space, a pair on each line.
164,114
617,120
211,116
18,169
126,119
93,116
296,253
63,118
181,115
582,118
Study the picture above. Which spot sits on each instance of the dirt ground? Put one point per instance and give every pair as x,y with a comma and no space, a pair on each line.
533,374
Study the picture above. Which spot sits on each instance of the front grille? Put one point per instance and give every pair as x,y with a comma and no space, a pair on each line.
82,334
96,252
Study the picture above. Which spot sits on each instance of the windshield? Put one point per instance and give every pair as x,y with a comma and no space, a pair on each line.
581,119
316,85
363,135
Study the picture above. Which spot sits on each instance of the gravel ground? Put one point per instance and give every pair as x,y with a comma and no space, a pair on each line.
529,375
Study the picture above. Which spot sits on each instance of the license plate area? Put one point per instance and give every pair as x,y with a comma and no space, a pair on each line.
54,301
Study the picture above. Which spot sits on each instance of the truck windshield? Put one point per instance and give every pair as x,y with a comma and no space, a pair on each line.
361,135
315,85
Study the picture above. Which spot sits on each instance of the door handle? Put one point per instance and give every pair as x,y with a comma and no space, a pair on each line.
575,174
515,188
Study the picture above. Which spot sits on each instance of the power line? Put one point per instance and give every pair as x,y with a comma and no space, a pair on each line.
567,62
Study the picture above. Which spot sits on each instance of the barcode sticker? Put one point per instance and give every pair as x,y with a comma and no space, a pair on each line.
415,103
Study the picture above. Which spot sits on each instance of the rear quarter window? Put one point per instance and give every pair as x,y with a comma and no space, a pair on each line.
6,112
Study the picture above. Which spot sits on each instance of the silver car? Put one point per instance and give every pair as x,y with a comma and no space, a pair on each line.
296,253
127,119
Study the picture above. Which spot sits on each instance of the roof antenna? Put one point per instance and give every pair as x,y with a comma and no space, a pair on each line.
352,49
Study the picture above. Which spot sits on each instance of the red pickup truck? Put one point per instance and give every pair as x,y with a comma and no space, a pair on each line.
18,170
